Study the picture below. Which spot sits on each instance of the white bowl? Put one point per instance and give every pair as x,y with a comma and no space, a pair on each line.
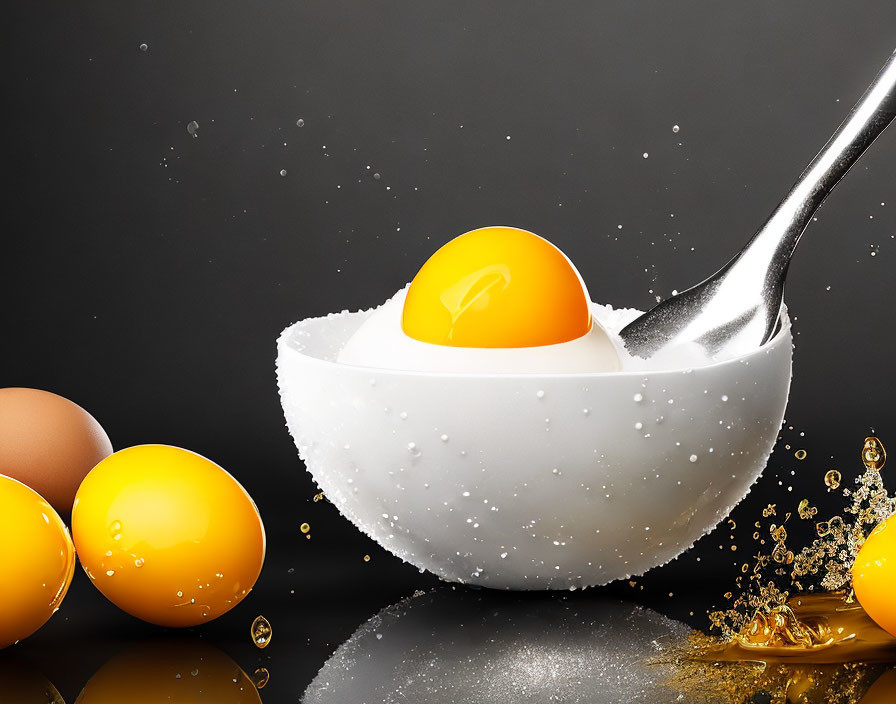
530,481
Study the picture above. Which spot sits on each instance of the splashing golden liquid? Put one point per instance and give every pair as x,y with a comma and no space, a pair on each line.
812,648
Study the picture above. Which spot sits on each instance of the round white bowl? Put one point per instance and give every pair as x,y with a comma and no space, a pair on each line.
530,481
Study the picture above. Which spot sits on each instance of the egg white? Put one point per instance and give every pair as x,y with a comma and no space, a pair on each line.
380,342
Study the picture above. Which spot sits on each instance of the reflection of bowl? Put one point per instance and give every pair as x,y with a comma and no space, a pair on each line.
530,481
462,646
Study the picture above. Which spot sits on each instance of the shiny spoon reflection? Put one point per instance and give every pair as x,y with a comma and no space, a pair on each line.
471,647
181,671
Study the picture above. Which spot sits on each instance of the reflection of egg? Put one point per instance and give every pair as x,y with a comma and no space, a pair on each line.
170,671
37,561
167,535
21,683
874,574
525,476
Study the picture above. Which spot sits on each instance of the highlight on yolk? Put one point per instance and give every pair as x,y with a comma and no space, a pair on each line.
167,535
874,574
497,287
37,561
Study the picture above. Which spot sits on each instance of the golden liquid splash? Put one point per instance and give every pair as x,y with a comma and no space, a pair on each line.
305,527
319,497
367,558
261,632
800,454
260,677
813,648
873,454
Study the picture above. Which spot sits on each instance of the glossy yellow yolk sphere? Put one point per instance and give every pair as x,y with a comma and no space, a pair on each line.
497,287
167,535
874,575
37,560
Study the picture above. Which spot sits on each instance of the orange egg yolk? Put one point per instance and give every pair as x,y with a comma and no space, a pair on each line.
497,287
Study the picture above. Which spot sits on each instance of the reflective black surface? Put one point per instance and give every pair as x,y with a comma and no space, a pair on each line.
146,273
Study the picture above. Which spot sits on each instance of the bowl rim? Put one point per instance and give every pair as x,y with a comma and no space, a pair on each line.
284,342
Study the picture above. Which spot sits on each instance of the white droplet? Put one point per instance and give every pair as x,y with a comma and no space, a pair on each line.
443,438
724,397
539,394
637,398
639,425
676,128
645,155
300,122
377,176
693,458
145,47
283,172
193,128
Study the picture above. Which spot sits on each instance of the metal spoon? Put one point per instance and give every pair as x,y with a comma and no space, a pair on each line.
738,308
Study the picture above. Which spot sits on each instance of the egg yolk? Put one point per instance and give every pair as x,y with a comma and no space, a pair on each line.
37,561
497,287
874,574
167,535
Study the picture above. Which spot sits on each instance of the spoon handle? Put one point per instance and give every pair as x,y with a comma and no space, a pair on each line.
775,241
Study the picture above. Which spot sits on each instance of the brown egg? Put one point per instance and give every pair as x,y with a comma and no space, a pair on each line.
49,443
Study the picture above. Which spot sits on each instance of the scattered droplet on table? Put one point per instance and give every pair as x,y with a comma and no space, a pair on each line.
193,128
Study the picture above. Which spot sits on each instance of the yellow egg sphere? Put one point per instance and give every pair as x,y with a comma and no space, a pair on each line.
497,287
190,672
37,561
874,574
167,535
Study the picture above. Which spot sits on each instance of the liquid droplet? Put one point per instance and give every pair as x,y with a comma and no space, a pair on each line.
377,176
193,128
367,558
873,454
260,677
318,497
261,632
305,527
300,122
676,129
144,47
693,458
800,454
832,479
139,562
283,172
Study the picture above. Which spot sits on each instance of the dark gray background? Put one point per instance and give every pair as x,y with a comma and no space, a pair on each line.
146,274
